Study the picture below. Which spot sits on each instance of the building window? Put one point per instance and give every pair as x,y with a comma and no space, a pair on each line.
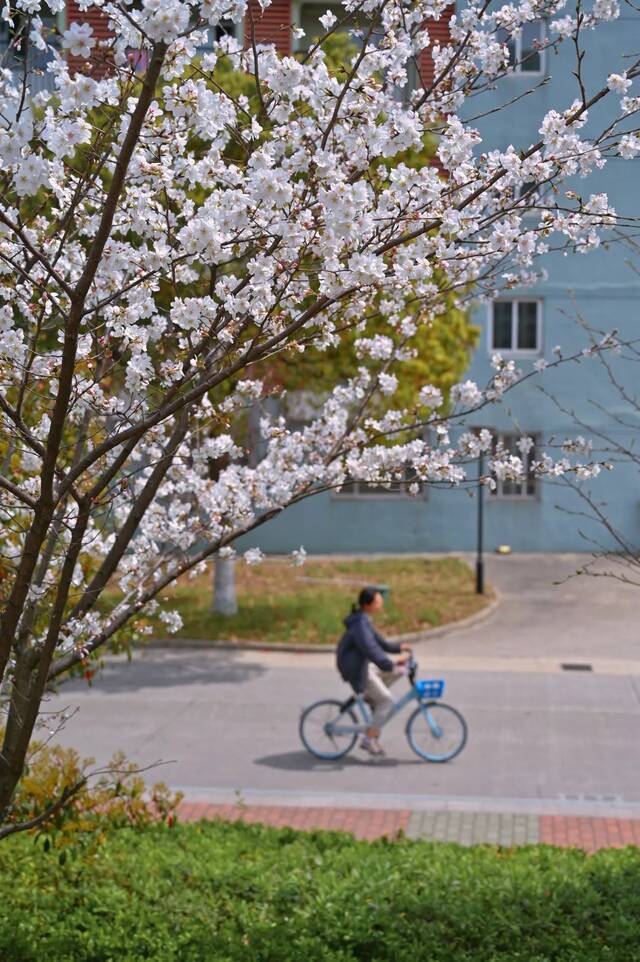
20,55
515,326
528,488
529,199
306,16
525,53
226,28
14,37
530,192
364,489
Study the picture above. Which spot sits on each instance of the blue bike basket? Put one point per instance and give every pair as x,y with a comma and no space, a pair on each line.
432,688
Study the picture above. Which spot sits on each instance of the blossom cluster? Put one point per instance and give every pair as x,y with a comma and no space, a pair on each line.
163,238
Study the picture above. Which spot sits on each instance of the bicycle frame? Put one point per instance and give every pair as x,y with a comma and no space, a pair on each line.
412,695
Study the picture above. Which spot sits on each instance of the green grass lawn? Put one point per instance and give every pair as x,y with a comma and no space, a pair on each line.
280,603
218,892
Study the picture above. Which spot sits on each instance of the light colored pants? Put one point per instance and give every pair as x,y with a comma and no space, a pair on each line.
377,693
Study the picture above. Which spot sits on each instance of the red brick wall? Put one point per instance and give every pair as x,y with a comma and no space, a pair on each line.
272,25
100,30
438,33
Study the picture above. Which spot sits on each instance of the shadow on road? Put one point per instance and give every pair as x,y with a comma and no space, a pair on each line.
160,670
301,761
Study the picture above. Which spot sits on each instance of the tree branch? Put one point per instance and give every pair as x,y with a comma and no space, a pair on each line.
67,794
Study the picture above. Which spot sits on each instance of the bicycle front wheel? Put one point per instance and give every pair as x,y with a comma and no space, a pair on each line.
436,732
316,729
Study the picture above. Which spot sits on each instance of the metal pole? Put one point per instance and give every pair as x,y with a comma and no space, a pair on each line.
224,587
480,544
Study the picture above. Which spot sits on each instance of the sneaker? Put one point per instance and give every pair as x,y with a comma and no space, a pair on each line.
372,746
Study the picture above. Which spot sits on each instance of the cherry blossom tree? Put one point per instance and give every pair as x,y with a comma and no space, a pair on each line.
164,237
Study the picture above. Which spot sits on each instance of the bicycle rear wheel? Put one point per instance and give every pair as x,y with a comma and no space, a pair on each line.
316,732
436,732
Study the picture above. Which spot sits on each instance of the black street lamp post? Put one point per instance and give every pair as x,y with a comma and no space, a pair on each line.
480,542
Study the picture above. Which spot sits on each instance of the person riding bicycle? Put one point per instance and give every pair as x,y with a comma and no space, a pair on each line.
363,661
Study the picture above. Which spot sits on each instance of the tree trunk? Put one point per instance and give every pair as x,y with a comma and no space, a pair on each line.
20,721
224,587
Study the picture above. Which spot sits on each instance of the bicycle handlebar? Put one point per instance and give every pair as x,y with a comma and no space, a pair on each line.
412,667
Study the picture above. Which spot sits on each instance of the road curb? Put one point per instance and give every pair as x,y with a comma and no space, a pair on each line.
414,637
606,807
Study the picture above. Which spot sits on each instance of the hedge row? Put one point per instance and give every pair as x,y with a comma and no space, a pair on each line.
214,891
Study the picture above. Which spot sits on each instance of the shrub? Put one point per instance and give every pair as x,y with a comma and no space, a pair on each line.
94,802
216,892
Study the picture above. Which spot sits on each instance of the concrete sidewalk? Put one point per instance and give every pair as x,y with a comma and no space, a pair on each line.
589,833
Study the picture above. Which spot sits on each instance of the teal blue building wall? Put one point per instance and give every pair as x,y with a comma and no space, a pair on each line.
599,286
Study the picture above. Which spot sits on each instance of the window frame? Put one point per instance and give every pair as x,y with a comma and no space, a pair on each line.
357,495
523,496
516,70
532,213
59,20
529,186
515,351
298,43
237,34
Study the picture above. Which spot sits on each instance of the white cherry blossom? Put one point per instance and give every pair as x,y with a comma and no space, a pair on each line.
298,557
78,39
328,19
629,146
618,82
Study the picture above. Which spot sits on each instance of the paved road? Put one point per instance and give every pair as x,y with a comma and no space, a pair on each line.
546,612
228,721
539,736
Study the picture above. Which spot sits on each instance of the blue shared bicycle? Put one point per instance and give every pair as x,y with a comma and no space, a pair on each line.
436,732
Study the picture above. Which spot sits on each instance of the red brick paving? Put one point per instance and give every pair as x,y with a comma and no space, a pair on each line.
365,823
589,834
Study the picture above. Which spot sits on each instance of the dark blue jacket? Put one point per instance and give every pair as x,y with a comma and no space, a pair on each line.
359,645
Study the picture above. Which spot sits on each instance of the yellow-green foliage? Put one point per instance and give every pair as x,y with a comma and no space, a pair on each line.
442,355
115,798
